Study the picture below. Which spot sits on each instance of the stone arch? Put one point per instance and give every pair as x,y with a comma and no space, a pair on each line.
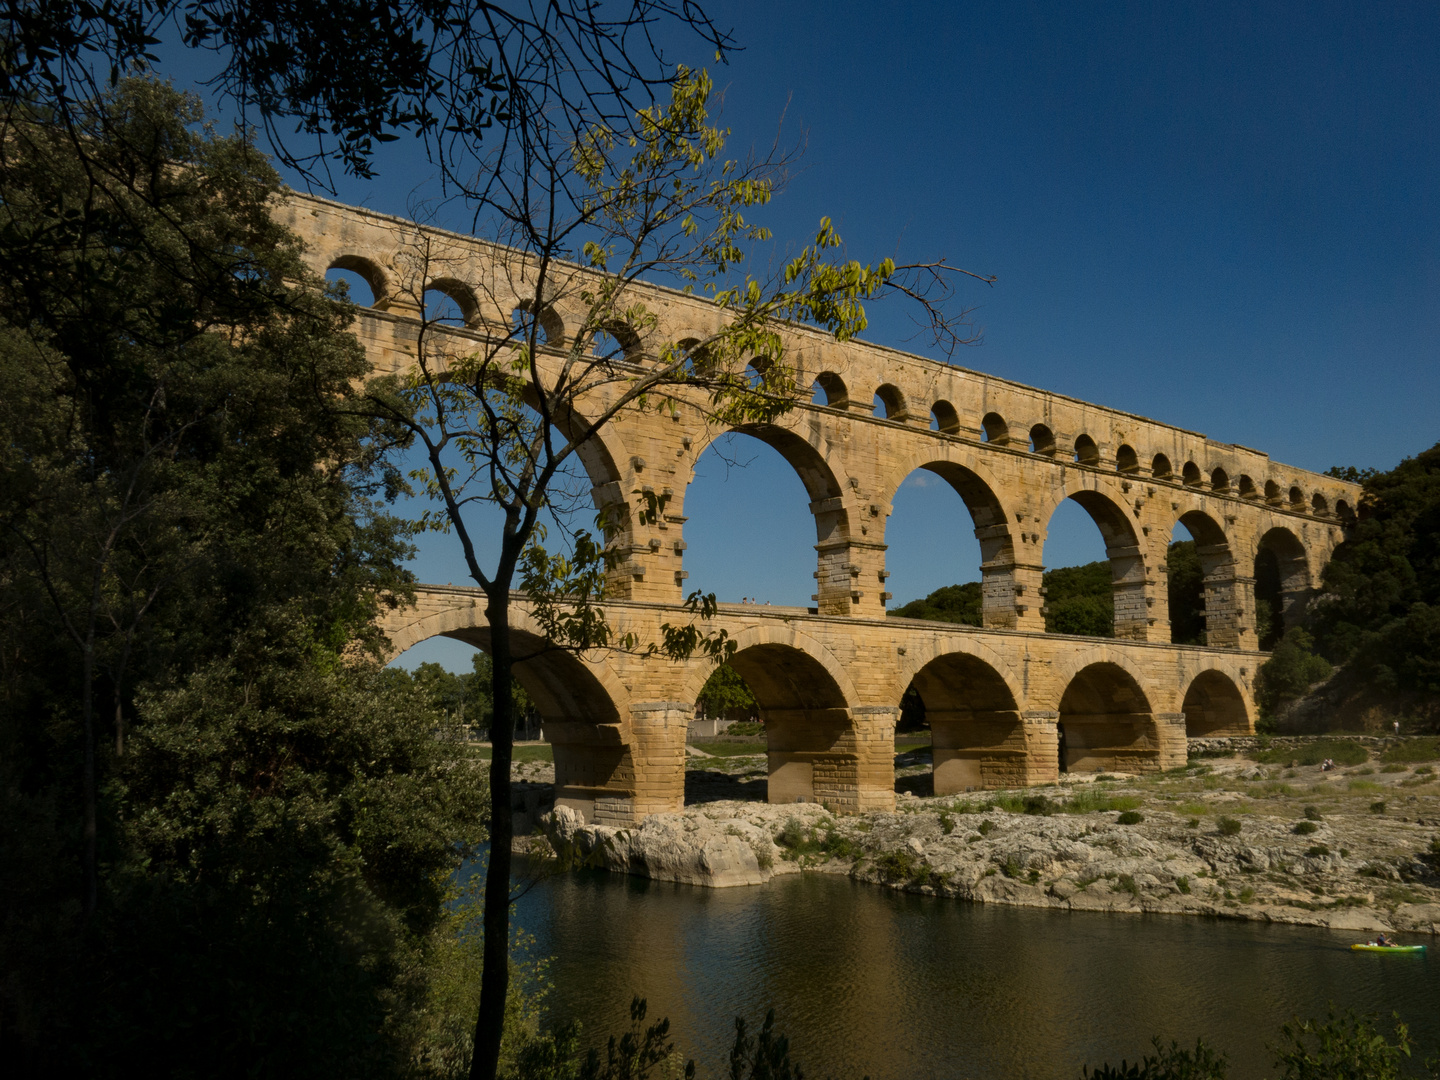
1282,582
976,488
585,710
462,295
827,506
892,401
1217,567
1247,488
804,697
994,429
1219,480
1126,460
1107,724
1319,506
1190,475
1272,493
624,335
1122,547
1160,467
1086,452
1345,512
947,420
374,274
976,730
551,324
1213,706
1042,440
1297,498
833,387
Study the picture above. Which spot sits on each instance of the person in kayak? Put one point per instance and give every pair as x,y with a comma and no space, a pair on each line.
1383,941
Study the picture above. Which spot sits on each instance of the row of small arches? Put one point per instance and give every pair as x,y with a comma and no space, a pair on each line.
889,402
890,405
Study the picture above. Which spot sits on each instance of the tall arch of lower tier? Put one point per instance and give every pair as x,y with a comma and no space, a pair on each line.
1213,705
820,745
585,711
1106,723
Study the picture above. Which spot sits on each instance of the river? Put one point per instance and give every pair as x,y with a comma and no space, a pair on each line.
868,981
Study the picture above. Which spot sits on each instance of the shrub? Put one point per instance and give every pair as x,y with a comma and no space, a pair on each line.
838,846
1346,1046
1377,807
1412,750
1130,817
1038,805
1304,828
947,823
896,866
1314,851
1341,751
1126,883
1312,813
986,827
1229,826
1193,823
1364,785
1011,868
1183,884
1394,768
1291,670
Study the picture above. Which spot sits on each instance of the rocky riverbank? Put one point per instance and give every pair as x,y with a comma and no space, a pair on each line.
1355,848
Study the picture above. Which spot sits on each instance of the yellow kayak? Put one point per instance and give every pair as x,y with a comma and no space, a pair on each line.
1388,948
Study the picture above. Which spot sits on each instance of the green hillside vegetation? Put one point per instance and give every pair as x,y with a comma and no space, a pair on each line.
1079,600
1379,610
952,604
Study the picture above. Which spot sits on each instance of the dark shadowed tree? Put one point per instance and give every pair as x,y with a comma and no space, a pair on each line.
228,833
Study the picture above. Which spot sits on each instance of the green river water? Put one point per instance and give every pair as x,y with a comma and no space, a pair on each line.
871,982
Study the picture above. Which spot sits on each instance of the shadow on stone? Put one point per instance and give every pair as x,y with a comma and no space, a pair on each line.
921,785
704,785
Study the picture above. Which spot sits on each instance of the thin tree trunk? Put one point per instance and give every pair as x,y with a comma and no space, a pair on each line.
88,855
495,977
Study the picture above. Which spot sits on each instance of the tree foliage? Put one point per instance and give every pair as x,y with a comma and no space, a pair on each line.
329,83
465,699
726,694
1380,610
950,603
228,832
1186,590
1293,668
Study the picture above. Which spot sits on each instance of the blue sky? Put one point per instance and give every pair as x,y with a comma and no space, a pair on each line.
1223,216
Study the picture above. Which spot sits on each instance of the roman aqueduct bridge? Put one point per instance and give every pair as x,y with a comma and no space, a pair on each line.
1007,701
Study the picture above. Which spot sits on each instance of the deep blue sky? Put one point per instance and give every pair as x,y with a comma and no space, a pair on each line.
1223,216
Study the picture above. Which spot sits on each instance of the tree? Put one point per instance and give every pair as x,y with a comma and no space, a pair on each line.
952,603
1380,609
1185,585
726,694
499,425
1080,600
189,552
330,83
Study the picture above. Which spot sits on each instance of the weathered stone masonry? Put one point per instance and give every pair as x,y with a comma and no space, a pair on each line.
1003,699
